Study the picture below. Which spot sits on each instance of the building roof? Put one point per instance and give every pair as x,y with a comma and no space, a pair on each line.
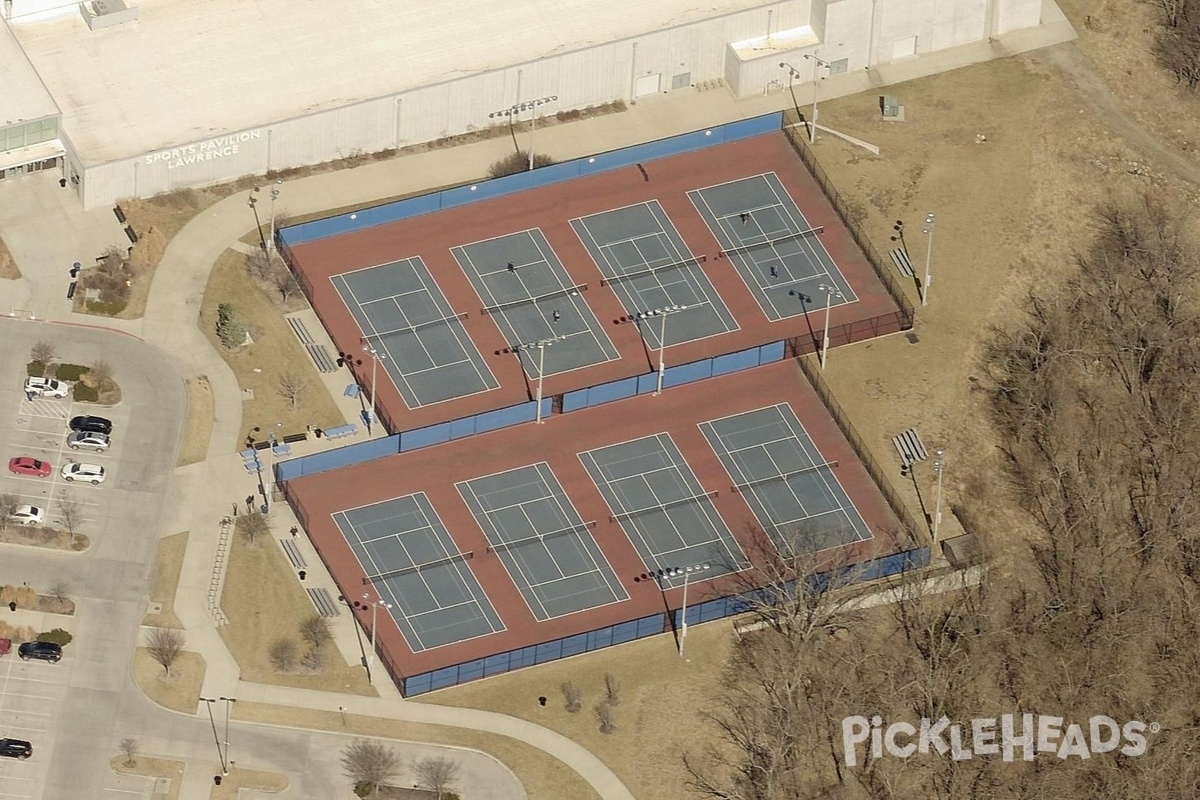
196,69
23,97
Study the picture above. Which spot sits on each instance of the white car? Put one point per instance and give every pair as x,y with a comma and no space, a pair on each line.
82,440
29,515
46,387
93,473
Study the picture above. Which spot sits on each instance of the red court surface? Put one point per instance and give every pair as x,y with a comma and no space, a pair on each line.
550,209
678,411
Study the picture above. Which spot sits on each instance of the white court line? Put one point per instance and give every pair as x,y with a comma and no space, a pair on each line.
375,331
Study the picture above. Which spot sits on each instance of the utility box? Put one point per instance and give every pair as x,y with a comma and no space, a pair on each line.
891,106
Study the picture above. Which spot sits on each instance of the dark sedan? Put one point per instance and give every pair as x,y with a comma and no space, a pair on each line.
92,425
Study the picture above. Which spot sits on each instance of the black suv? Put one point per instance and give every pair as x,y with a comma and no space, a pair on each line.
92,425
44,651
15,748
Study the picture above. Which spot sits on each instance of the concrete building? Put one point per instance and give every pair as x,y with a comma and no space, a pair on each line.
134,100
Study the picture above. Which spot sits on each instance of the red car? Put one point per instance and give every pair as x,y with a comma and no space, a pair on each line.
27,465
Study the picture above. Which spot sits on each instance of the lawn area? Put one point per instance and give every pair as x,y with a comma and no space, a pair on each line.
250,779
179,691
197,426
544,777
663,699
274,353
8,265
168,562
264,600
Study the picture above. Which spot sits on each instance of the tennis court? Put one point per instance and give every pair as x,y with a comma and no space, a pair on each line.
777,253
656,498
404,316
411,563
548,550
526,290
646,263
794,493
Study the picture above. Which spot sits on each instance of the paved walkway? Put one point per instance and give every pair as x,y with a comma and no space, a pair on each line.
174,304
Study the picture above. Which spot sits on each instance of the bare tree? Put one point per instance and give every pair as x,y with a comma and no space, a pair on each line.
253,525
612,689
313,659
130,748
315,631
261,266
438,774
60,590
71,512
9,503
284,282
101,371
370,762
283,654
292,385
605,716
165,645
572,696
43,351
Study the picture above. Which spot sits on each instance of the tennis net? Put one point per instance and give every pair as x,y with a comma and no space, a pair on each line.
620,515
449,558
652,269
418,326
500,308
500,547
742,248
783,476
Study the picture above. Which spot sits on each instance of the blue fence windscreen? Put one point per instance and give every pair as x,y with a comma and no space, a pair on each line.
544,176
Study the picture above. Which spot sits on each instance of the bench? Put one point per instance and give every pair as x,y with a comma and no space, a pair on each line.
900,259
249,454
252,467
352,390
292,438
326,605
281,450
293,553
910,447
341,431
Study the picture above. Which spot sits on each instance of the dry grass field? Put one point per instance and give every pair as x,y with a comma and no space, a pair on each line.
179,690
197,428
168,563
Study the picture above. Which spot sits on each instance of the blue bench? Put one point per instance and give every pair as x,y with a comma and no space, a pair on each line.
352,390
281,450
340,431
252,467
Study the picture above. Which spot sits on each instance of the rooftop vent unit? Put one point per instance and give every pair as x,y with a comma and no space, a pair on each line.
106,13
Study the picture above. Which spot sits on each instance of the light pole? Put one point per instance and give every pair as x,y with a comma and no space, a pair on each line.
686,572
208,703
662,314
253,203
375,604
541,345
817,63
376,357
228,702
928,231
533,122
793,73
939,466
830,293
274,197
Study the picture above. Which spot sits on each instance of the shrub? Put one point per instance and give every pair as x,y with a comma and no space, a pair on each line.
85,394
283,654
516,162
364,788
58,636
35,369
106,309
70,372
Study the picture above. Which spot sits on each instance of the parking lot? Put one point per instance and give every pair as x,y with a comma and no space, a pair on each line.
31,694
38,428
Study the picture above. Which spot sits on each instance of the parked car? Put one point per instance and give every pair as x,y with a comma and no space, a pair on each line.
92,473
41,651
28,465
15,748
92,425
29,515
82,440
46,387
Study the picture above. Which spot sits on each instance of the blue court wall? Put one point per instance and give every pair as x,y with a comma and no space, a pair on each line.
673,376
405,441
315,230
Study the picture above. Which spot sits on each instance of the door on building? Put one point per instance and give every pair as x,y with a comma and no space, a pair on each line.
903,48
647,84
